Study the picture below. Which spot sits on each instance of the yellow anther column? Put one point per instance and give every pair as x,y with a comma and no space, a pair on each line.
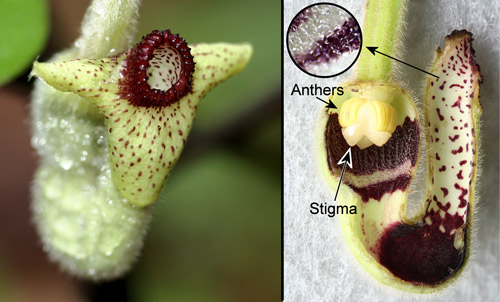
366,122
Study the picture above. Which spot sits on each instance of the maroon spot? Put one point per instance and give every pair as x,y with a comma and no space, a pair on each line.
458,103
445,191
442,169
442,86
459,175
454,138
441,118
462,162
459,150
464,192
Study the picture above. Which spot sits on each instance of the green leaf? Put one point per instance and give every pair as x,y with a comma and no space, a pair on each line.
23,32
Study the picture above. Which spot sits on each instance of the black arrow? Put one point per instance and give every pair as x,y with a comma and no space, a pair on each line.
329,104
346,160
373,50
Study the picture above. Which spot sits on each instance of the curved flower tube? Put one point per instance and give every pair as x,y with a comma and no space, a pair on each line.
424,253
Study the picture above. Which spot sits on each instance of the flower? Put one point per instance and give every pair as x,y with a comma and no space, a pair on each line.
149,96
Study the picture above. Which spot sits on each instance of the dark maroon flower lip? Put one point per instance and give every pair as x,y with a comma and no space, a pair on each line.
421,253
404,143
134,86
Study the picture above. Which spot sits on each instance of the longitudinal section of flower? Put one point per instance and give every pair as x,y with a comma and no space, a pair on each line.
432,247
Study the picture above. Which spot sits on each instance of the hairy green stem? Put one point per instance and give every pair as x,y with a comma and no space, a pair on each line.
108,28
382,28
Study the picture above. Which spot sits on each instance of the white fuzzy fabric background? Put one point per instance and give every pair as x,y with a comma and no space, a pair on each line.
318,265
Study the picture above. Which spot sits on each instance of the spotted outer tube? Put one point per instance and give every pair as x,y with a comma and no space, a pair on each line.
427,252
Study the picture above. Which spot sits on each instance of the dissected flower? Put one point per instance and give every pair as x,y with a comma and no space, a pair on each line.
424,253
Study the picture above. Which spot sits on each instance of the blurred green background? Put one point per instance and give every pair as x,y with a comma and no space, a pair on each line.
216,233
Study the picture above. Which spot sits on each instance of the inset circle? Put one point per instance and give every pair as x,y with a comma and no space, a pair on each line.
324,40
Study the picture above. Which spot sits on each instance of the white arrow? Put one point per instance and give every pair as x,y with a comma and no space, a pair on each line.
346,159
